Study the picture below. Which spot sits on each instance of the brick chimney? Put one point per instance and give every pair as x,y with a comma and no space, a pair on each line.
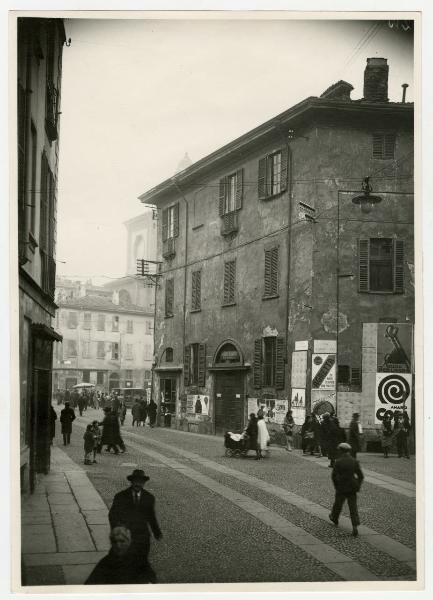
376,80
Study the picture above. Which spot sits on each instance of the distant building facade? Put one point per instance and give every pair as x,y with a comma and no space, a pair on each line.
105,342
277,289
40,47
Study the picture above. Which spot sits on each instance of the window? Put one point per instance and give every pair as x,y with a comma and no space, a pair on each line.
114,351
169,297
272,179
33,179
349,377
194,371
128,374
147,352
101,322
72,320
71,348
229,282
87,320
170,222
383,145
169,355
86,349
269,362
100,353
129,352
230,193
271,272
196,290
149,328
129,327
343,374
381,265
86,376
115,324
100,377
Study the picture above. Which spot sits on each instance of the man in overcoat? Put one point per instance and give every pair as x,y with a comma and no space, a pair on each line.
67,415
347,478
134,508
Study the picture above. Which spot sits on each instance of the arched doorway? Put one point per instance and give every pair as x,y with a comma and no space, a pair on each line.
113,381
229,400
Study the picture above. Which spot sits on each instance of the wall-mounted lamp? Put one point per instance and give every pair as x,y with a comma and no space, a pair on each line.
366,200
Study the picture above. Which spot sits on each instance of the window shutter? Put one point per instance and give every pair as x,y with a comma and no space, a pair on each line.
169,294
222,196
398,266
186,364
262,178
274,271
257,373
229,281
364,265
176,220
268,263
202,365
377,145
279,363
389,145
164,224
284,163
196,290
239,188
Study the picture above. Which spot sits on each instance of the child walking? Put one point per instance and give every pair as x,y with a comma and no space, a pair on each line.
89,445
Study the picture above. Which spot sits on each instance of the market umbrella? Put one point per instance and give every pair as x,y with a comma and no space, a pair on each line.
83,385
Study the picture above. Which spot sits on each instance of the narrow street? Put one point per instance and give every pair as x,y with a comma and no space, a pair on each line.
231,519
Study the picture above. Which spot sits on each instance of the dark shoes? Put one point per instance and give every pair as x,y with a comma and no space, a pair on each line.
331,518
355,532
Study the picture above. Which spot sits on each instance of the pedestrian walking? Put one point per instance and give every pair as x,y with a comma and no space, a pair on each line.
89,444
115,404
135,412
317,435
355,431
151,411
97,434
401,433
134,508
122,564
52,421
96,400
263,437
307,435
330,437
143,412
67,415
111,432
67,396
347,478
252,433
81,403
288,426
122,412
386,435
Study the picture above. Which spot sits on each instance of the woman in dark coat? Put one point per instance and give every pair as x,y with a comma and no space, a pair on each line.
252,433
354,435
331,435
111,431
151,411
307,435
143,412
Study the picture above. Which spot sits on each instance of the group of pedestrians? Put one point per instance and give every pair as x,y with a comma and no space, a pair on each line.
141,411
398,431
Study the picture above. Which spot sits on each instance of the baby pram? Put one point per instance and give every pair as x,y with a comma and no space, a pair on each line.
236,444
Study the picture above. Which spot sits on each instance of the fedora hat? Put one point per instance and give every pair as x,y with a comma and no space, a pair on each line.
138,474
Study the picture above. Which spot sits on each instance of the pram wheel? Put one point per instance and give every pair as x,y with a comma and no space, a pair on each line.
229,452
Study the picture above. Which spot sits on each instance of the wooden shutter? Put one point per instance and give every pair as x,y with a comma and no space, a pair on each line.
164,224
196,290
377,145
398,266
229,281
169,289
202,365
43,239
239,188
258,361
271,272
284,163
364,265
262,178
186,364
279,363
389,145
222,196
176,220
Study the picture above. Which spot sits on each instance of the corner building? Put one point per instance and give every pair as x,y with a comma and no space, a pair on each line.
276,288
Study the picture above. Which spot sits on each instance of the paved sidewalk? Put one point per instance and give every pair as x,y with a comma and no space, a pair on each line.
65,529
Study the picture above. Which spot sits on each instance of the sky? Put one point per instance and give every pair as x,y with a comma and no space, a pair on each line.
138,94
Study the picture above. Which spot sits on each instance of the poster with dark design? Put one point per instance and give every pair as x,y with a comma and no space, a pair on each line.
323,372
393,393
322,401
394,348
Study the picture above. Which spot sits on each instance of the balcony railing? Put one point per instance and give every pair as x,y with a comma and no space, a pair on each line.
169,248
51,111
48,274
230,223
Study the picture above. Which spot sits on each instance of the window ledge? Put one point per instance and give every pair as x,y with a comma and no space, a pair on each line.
377,292
228,304
273,196
194,310
271,297
168,316
197,227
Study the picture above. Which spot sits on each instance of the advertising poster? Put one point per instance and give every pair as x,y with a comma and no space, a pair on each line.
393,393
298,415
190,404
323,370
299,369
253,406
197,405
301,345
325,346
281,408
394,348
298,398
322,401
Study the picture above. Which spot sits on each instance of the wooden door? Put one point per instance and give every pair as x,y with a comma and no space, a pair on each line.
229,402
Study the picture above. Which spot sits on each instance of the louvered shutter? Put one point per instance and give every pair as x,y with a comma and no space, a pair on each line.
267,272
196,290
364,265
257,372
389,145
229,282
202,365
262,179
169,297
274,271
398,266
284,163
164,224
176,220
377,145
222,196
239,188
186,364
279,363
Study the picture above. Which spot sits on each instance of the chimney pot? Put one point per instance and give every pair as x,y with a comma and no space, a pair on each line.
376,80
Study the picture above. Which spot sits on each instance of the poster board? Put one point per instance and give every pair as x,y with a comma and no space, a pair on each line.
299,369
323,372
393,394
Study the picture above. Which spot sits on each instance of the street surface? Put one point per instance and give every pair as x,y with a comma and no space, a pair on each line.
235,520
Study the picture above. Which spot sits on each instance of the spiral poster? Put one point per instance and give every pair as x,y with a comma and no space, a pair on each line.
393,393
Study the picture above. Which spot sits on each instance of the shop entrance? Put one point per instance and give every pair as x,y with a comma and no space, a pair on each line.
229,401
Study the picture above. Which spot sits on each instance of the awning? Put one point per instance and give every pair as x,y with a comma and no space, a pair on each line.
45,332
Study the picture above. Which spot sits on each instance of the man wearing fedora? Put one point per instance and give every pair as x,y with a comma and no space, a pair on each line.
347,478
134,508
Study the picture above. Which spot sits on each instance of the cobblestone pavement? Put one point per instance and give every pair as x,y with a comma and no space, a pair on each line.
231,519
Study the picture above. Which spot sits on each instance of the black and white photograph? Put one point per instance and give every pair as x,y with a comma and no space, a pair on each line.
216,283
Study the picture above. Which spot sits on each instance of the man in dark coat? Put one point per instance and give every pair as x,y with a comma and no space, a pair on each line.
151,411
134,508
330,436
111,432
81,403
354,434
67,415
347,478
